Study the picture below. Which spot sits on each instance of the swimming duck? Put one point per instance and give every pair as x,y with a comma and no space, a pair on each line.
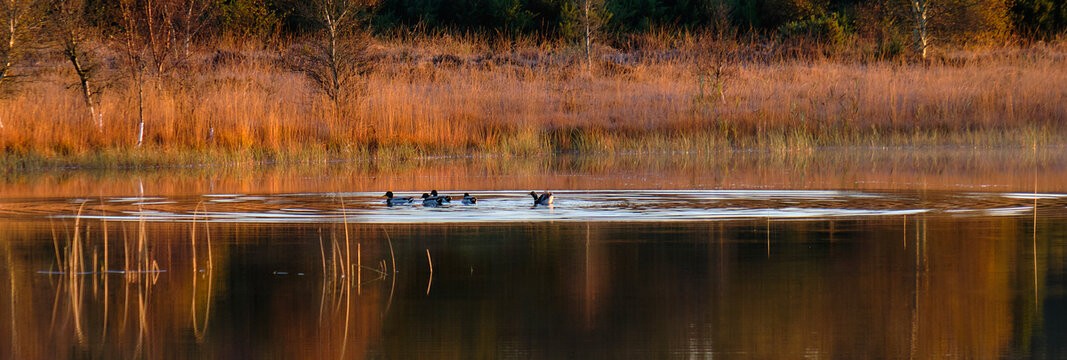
468,199
544,199
391,200
431,201
444,199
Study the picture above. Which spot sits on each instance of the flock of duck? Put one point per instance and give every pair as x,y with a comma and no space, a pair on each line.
433,199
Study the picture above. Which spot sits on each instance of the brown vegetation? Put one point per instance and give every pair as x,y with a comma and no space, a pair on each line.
869,169
443,95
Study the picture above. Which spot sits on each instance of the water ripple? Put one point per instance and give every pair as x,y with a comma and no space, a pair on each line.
516,206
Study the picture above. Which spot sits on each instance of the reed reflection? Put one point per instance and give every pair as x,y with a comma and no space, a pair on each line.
886,287
839,168
155,290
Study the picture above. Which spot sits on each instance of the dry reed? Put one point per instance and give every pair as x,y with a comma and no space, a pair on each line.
430,281
90,328
444,95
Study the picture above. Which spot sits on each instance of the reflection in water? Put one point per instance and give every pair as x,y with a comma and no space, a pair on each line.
912,254
956,286
877,169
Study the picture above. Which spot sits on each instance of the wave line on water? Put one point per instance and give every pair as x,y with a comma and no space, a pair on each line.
48,272
577,205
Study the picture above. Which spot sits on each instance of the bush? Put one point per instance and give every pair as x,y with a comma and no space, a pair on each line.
1041,18
247,18
822,29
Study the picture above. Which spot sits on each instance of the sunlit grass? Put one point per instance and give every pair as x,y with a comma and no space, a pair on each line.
533,100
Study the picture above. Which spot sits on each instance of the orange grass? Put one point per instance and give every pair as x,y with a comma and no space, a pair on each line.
242,104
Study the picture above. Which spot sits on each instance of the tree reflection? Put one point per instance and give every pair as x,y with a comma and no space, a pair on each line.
970,287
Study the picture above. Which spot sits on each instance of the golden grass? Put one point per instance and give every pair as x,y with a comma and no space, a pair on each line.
241,104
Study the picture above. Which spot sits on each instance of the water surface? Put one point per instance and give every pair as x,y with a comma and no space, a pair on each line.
749,256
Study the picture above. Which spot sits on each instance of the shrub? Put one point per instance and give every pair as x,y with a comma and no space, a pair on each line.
247,18
823,29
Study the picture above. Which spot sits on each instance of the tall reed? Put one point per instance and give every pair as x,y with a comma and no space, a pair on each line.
457,96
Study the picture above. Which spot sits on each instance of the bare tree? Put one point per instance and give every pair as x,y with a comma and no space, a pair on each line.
134,42
961,20
21,20
156,35
169,27
719,22
335,57
189,18
920,36
68,29
582,20
716,62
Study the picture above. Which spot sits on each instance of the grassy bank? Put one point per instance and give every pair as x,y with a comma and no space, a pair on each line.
447,96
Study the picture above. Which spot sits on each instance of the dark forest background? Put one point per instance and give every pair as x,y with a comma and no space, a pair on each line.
971,21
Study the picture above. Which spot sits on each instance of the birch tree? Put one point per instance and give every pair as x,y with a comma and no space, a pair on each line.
920,37
168,28
189,19
70,32
156,35
134,44
582,21
948,21
334,58
21,20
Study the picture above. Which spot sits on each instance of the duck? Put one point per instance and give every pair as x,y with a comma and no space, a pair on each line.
391,200
468,199
544,199
444,199
431,201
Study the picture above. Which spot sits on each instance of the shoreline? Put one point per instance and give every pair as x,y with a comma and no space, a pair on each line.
141,160
904,170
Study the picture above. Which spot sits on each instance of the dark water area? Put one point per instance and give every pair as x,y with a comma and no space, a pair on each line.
610,271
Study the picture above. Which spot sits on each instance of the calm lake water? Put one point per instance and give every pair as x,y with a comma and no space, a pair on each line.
845,253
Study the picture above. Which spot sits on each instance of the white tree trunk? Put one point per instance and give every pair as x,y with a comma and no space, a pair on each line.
588,34
140,109
83,80
12,34
922,41
140,133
